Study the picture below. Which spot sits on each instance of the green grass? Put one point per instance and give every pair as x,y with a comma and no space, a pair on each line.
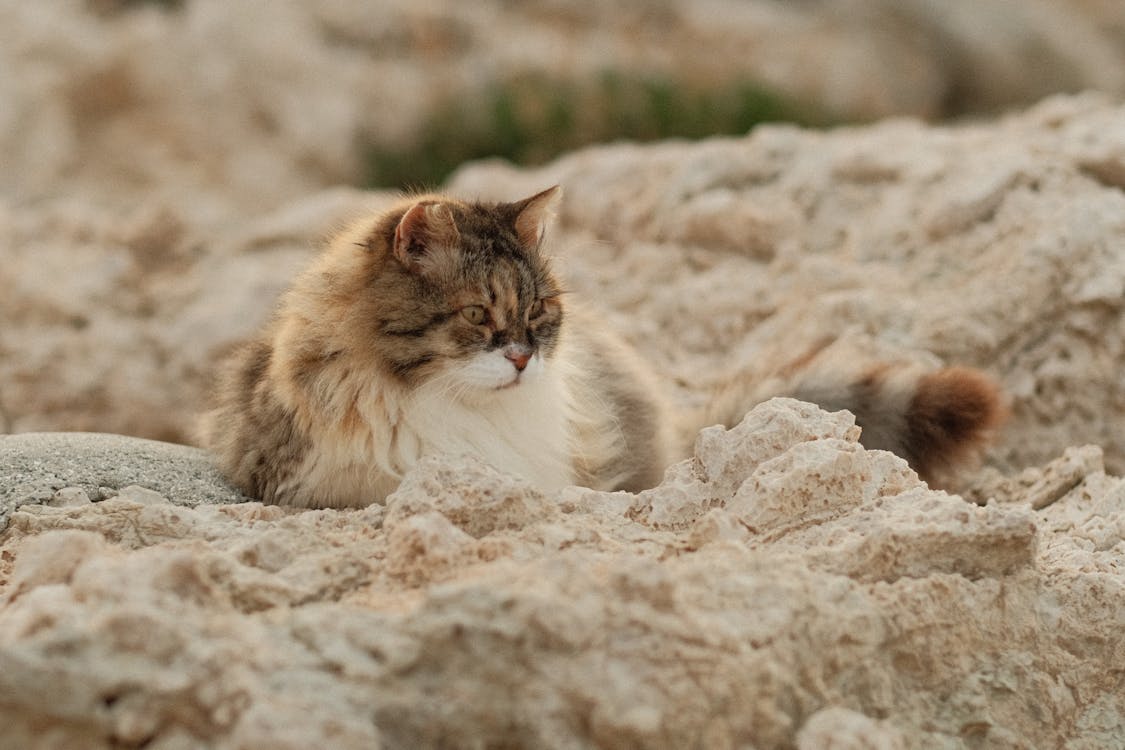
165,4
530,120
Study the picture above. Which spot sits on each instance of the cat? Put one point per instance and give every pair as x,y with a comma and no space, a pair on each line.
437,326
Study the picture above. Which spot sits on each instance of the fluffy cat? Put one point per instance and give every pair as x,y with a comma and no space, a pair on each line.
437,326
434,327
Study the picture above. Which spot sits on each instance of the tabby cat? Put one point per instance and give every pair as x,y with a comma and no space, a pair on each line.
438,327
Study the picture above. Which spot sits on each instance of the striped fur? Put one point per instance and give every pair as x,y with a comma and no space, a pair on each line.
438,327
377,357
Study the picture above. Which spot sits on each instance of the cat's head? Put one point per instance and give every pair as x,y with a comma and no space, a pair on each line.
464,297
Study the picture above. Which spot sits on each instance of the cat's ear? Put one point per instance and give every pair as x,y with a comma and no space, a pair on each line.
426,228
535,214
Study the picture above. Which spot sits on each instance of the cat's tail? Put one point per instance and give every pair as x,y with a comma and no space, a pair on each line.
939,420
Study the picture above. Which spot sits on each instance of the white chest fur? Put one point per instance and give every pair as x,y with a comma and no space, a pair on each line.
523,430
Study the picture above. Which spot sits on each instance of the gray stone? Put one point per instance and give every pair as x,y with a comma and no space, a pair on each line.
35,466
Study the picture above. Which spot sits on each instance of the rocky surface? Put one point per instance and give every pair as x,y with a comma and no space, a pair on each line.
782,588
67,469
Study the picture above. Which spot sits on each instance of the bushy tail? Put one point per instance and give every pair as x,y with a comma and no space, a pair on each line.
938,420
952,417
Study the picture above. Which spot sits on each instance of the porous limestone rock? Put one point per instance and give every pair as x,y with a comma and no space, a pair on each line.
474,611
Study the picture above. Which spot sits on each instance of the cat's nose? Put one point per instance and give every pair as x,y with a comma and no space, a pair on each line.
518,355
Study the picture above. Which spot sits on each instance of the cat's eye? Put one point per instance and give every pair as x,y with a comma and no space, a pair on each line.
536,309
475,314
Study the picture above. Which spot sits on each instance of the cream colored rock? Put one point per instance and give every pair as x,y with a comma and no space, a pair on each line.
841,729
783,587
781,491
499,502
724,458
1040,487
475,611
140,495
69,497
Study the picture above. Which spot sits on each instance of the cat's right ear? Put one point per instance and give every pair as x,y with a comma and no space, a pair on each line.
424,231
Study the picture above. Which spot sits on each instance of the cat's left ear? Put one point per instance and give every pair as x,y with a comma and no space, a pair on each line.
535,214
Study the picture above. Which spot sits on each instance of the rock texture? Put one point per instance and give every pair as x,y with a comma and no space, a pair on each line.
65,469
782,588
811,594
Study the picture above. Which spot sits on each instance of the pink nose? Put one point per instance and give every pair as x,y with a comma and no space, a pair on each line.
518,357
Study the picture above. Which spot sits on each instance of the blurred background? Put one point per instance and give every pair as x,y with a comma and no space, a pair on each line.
253,102
166,165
